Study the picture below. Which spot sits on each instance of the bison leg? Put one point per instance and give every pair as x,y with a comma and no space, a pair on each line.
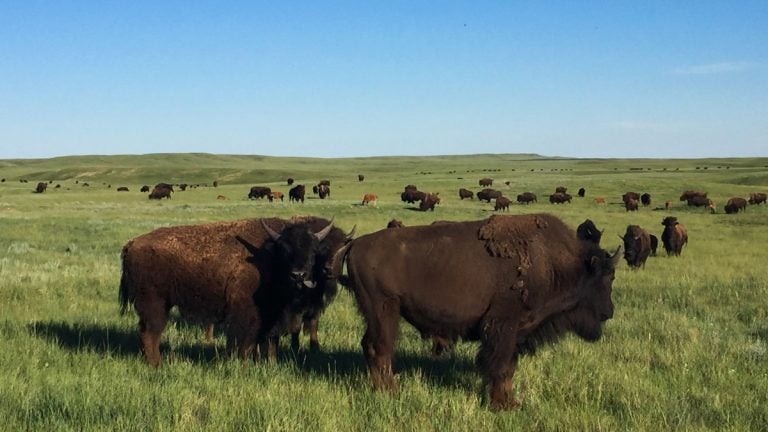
268,349
243,325
378,344
441,345
153,316
310,326
295,330
209,334
497,360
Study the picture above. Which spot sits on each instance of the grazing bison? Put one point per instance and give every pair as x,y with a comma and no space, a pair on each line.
258,192
122,189
560,198
637,246
654,244
485,182
735,205
674,236
360,177
221,197
581,192
502,203
533,280
411,196
631,204
587,231
699,201
160,191
466,193
645,199
144,188
526,198
41,187
296,193
429,201
691,193
370,198
757,198
277,195
488,194
254,276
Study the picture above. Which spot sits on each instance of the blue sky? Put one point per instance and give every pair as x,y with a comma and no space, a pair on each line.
309,78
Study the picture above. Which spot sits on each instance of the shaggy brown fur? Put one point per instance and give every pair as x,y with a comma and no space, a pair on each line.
232,273
735,205
674,237
531,281
637,246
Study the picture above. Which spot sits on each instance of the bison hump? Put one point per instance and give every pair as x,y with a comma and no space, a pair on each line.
510,236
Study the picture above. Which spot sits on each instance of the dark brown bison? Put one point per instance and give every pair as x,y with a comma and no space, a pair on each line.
144,188
654,244
526,198
183,186
466,193
533,280
757,198
41,187
561,189
122,189
290,181
502,203
637,246
485,182
587,231
581,192
691,193
412,195
699,201
258,192
254,276
735,204
631,204
160,191
429,201
360,177
323,191
630,196
645,199
674,236
215,183
369,198
296,193
324,182
488,194
560,198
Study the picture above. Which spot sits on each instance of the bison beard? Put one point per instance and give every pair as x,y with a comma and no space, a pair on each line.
254,276
532,281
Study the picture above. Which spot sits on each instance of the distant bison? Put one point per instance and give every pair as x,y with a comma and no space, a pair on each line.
412,195
502,203
488,194
429,201
654,244
561,189
254,276
296,193
369,198
645,199
699,201
277,195
258,192
757,198
360,177
560,198
144,188
735,205
599,200
485,182
630,195
323,191
41,187
160,191
637,246
122,189
631,204
685,196
532,280
582,192
466,193
526,198
221,197
674,237
289,181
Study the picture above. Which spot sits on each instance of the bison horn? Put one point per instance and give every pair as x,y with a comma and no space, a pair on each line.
274,235
351,233
617,255
320,235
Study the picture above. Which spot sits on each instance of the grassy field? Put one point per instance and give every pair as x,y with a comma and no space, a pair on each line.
686,349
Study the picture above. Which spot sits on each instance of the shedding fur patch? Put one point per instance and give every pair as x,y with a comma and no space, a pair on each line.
511,236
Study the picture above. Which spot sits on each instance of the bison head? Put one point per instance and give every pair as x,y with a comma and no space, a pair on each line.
669,221
595,286
296,248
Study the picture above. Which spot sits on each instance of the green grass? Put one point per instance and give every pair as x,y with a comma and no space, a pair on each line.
687,348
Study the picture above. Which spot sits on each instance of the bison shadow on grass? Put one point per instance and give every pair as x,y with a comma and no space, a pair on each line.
449,371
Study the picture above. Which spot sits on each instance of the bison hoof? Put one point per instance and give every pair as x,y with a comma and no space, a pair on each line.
505,404
314,347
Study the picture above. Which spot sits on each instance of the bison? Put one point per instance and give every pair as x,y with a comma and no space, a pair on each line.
735,204
502,203
360,177
533,280
258,192
526,198
277,195
466,193
645,199
485,182
255,276
412,195
144,188
637,246
600,200
757,198
581,192
674,236
296,193
429,201
631,204
685,196
160,191
699,201
290,181
654,244
560,198
561,189
630,196
370,198
323,191
488,194
122,189
41,187
588,231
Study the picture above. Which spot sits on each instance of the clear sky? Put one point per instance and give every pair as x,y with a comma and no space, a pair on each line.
366,78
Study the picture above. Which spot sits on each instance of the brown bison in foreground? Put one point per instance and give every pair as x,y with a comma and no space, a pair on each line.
674,236
532,280
258,277
637,246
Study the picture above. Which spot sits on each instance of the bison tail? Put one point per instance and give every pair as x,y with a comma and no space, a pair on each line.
127,295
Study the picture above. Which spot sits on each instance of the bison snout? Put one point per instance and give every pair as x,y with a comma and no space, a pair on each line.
301,278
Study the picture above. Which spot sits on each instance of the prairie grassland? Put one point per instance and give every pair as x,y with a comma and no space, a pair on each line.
686,349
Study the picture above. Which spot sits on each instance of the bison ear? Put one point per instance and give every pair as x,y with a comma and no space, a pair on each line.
320,235
272,233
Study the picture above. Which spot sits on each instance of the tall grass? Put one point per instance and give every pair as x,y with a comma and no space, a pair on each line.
686,349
